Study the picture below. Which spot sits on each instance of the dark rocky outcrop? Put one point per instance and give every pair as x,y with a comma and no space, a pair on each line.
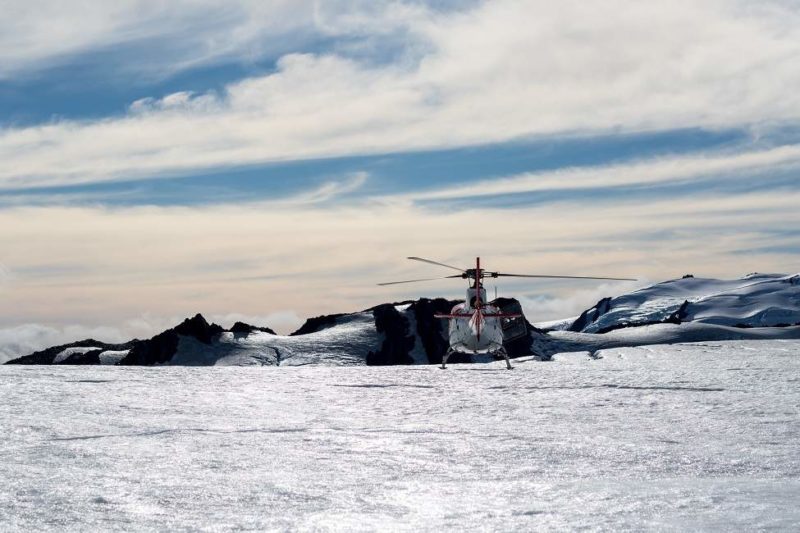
432,331
397,342
318,323
591,315
163,346
780,325
199,328
157,350
241,327
679,315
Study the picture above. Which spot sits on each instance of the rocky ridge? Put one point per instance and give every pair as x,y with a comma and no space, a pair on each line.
388,334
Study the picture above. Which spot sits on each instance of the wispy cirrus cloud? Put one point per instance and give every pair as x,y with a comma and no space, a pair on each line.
328,191
35,36
721,165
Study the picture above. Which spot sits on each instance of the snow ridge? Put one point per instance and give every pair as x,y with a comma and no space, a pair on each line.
757,300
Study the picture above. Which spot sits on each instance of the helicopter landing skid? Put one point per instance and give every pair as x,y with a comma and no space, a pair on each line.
445,358
502,351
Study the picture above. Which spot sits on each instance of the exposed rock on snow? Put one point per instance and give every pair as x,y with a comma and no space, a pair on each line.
75,350
164,346
198,328
591,315
318,323
241,327
397,343
85,352
432,332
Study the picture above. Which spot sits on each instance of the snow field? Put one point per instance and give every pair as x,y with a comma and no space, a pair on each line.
697,436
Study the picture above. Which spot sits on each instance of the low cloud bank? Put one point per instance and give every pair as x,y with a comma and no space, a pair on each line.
545,308
27,338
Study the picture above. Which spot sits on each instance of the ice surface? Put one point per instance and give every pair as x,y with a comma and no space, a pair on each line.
683,437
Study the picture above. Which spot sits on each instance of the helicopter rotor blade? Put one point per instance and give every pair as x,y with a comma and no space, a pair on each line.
500,274
416,280
436,263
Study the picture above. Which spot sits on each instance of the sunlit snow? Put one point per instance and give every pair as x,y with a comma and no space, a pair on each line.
756,300
682,437
64,354
112,357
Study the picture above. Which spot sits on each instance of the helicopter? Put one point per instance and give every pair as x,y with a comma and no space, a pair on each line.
477,325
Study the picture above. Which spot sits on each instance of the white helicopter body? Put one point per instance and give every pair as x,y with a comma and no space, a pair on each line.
463,330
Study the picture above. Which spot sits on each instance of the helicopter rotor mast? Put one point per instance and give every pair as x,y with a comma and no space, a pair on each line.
478,318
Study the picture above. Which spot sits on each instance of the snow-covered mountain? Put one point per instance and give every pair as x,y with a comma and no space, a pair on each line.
757,300
388,334
758,306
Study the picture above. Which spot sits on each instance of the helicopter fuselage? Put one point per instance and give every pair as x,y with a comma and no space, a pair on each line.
470,331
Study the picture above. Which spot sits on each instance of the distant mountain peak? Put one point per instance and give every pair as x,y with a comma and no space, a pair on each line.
756,300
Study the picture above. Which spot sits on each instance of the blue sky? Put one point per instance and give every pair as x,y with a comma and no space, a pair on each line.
161,160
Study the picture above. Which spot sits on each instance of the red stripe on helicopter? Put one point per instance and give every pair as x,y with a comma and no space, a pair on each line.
491,315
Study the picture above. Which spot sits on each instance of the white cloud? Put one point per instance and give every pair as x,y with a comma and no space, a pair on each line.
175,35
504,70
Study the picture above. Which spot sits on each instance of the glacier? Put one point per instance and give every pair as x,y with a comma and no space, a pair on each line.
699,436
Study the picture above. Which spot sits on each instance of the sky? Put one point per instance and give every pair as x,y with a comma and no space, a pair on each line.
269,161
